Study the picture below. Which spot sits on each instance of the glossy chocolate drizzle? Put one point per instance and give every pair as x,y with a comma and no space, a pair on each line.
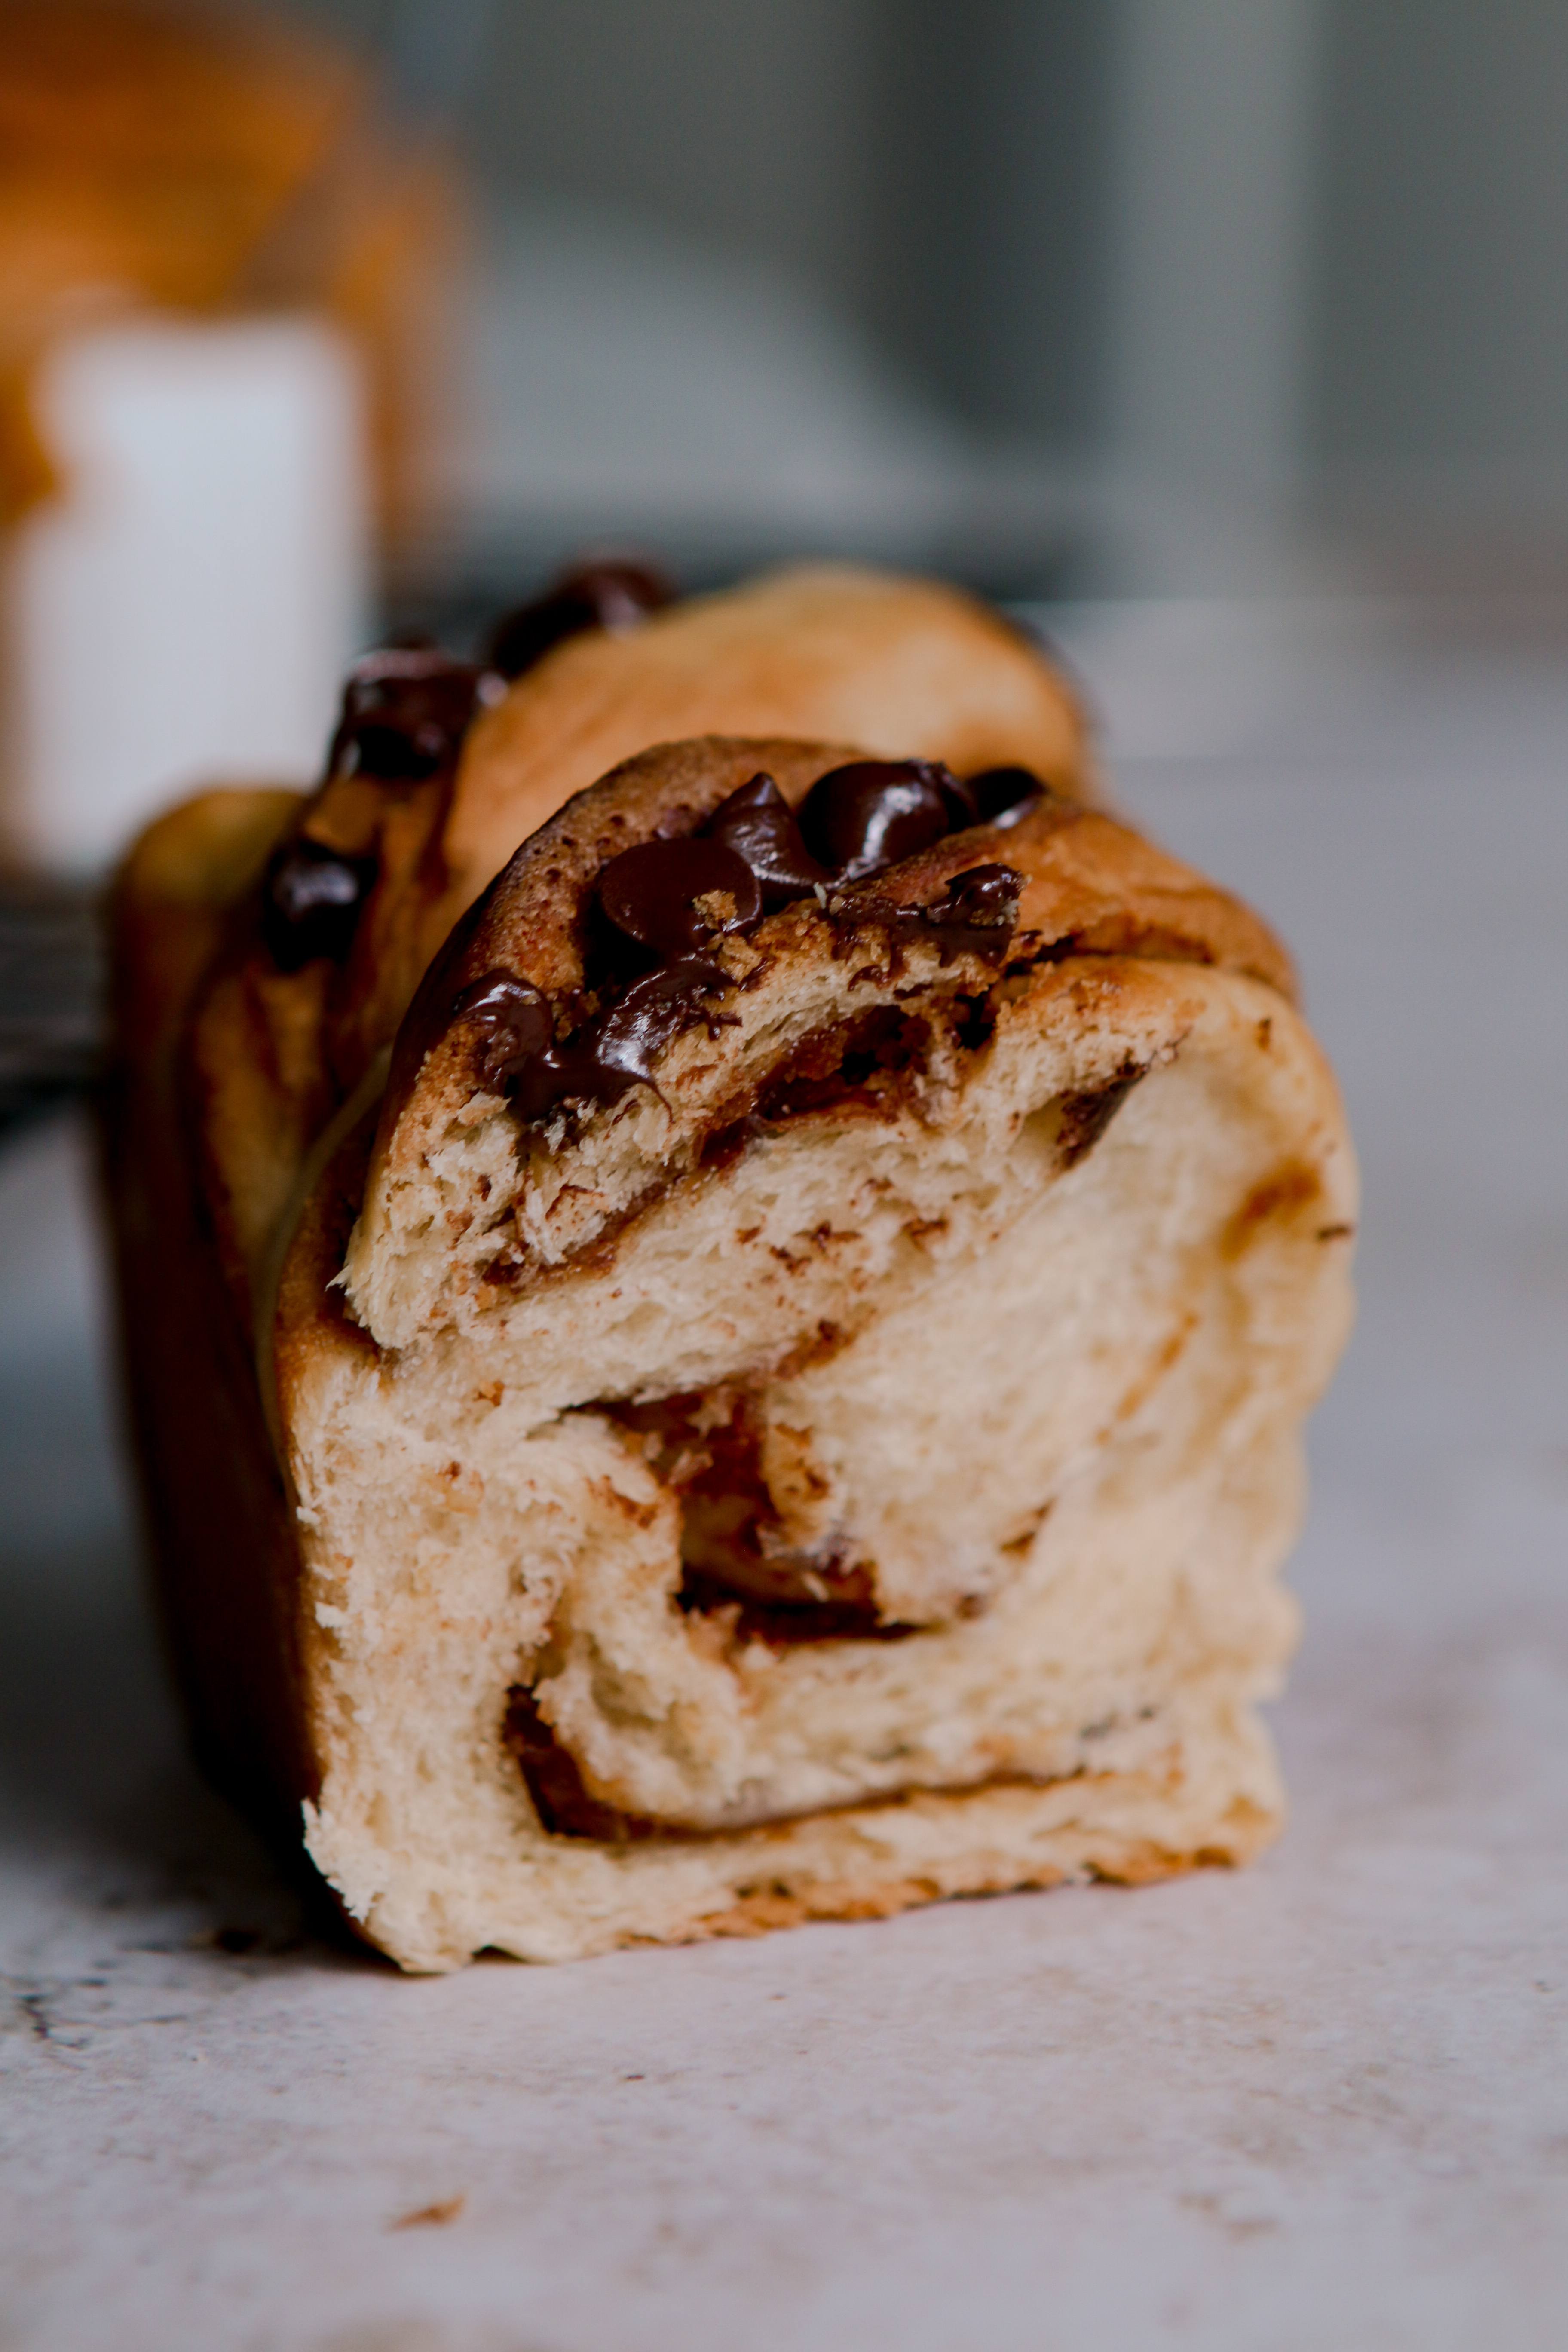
674,901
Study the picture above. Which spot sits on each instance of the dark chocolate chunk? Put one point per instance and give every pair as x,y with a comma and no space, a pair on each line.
607,1057
958,792
311,902
618,1051
677,895
758,824
613,594
977,916
1005,795
860,818
514,1024
405,711
984,897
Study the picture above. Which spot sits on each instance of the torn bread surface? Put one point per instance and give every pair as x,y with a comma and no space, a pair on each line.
1019,1306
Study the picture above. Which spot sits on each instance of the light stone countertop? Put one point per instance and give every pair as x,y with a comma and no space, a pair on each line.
1319,2103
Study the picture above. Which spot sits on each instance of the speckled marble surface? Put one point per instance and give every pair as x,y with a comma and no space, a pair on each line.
1320,2104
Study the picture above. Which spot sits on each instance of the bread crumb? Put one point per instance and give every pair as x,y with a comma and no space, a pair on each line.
432,2217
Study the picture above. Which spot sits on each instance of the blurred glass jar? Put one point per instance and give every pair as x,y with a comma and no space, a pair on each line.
225,345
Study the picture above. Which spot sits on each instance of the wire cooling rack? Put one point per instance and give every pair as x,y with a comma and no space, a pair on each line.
52,992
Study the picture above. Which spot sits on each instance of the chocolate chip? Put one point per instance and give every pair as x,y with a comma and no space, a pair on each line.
958,794
605,1059
984,895
1004,796
311,900
514,1024
405,711
860,818
758,824
613,594
676,896
977,916
619,1050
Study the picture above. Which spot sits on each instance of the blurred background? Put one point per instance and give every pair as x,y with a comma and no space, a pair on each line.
321,317
1099,296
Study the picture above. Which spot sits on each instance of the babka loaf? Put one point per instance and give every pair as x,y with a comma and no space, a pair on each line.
721,1274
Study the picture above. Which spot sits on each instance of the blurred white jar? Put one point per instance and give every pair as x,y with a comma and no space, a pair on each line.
181,611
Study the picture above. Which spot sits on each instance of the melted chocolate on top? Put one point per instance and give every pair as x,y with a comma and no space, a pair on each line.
1004,796
613,594
311,902
676,897
405,711
873,813
514,1023
977,917
674,900
620,1049
610,1055
760,826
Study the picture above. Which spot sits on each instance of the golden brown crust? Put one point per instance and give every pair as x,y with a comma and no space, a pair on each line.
1116,1861
222,1543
